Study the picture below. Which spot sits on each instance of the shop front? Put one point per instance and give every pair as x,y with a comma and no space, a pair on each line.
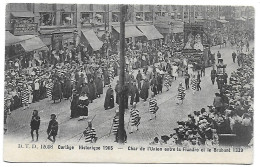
57,39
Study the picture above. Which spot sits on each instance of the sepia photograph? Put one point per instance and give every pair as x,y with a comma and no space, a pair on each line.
107,81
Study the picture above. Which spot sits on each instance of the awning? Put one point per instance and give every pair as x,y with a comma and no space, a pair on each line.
130,31
150,32
31,43
22,14
223,21
92,39
10,39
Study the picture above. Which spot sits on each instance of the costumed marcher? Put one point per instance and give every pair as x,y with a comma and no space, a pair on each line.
153,108
99,85
36,90
56,91
134,93
144,93
134,118
35,124
67,88
83,106
160,83
115,124
92,90
181,94
49,87
213,75
139,78
198,81
90,133
109,99
74,105
187,80
25,96
154,85
52,130
193,84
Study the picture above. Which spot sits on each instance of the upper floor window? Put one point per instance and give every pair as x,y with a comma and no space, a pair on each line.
115,16
47,19
67,18
139,16
87,17
100,16
148,16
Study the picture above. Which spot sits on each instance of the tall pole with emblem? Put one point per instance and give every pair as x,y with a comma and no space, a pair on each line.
121,130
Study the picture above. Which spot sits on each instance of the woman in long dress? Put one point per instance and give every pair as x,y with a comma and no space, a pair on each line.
83,106
109,99
49,87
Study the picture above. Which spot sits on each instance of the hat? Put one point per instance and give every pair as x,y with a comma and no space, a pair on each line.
53,115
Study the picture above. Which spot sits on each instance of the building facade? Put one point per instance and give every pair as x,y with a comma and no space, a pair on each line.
59,24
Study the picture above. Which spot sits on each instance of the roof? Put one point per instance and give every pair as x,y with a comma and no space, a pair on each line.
31,43
10,39
150,32
92,39
130,31
22,14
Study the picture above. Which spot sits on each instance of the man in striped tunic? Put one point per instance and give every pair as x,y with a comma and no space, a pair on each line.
193,84
90,133
134,118
153,108
115,124
181,94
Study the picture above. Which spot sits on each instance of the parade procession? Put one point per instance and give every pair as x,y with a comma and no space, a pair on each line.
154,74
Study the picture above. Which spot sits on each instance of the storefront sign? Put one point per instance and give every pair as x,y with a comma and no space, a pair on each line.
25,28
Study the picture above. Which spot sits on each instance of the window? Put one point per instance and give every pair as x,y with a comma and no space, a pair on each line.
67,18
129,16
47,19
148,16
139,16
115,16
185,15
100,16
87,17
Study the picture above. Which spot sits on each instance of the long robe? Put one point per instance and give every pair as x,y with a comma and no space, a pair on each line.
109,99
134,94
99,85
67,89
144,93
83,106
74,106
56,92
92,91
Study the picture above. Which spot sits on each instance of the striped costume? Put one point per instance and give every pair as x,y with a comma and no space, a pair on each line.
181,93
90,135
153,108
111,74
49,87
25,95
115,124
193,84
167,81
134,117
